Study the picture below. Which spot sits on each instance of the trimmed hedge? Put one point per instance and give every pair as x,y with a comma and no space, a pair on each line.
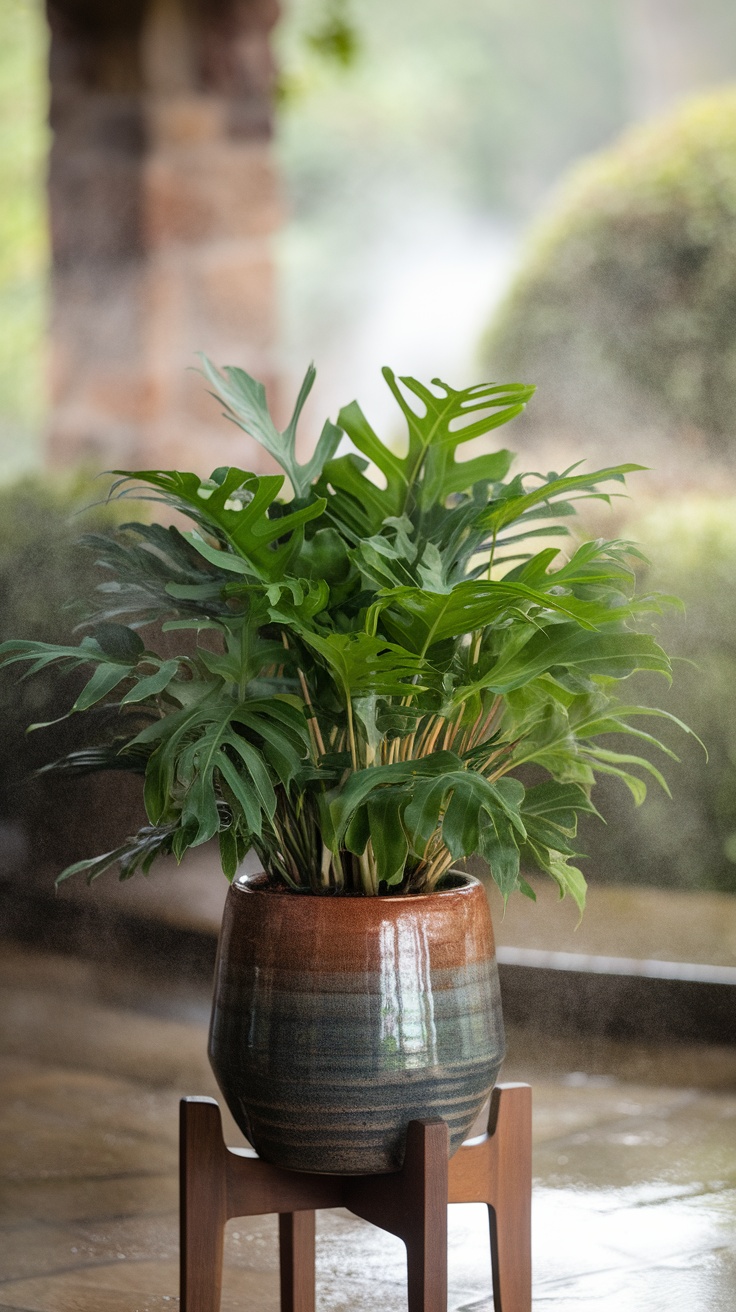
624,311
45,821
689,841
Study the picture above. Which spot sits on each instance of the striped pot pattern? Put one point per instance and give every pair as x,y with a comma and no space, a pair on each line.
337,1020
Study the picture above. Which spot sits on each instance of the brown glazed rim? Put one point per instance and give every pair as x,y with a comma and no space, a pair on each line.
336,927
256,883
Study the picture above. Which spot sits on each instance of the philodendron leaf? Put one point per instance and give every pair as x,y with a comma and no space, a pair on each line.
152,684
324,557
251,745
568,879
557,804
388,839
362,664
445,419
119,642
135,853
550,814
519,503
110,671
361,783
499,847
233,504
614,655
47,653
420,618
104,680
245,403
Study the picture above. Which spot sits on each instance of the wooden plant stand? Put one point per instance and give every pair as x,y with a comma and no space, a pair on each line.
218,1183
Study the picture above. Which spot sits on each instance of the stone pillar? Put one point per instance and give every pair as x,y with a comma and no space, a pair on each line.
162,198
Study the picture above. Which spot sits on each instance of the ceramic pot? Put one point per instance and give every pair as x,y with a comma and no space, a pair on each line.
337,1020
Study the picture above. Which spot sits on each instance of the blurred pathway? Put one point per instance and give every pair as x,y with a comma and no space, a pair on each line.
635,1194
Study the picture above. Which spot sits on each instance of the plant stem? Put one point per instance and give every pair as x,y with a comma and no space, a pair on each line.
368,871
351,733
313,722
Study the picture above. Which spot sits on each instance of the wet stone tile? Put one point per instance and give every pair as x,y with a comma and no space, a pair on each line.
73,1199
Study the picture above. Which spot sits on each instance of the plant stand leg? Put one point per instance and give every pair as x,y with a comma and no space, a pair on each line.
296,1261
510,1213
498,1172
425,1173
203,1204
412,1203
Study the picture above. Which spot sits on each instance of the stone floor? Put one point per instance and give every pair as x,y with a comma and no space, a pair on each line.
635,1165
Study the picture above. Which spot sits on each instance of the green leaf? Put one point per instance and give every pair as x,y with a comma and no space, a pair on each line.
599,756
421,618
569,879
229,855
557,803
245,403
297,601
45,653
456,802
519,503
617,722
236,506
103,681
135,853
429,472
361,783
324,556
615,655
498,846
422,815
152,684
361,664
202,744
119,642
461,823
387,835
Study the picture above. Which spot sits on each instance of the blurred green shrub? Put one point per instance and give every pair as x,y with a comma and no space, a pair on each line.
624,312
43,819
689,841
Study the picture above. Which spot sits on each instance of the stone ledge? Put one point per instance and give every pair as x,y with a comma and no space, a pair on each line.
169,924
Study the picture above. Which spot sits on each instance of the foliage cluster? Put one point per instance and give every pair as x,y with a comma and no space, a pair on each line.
387,676
625,308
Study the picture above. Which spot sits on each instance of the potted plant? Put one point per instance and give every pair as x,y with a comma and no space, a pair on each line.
380,668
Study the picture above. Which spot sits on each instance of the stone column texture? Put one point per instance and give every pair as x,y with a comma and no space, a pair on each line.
163,198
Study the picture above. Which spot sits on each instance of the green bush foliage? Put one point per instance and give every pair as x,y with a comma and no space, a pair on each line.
625,309
689,842
41,567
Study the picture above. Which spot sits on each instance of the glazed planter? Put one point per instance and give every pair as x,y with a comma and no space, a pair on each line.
337,1020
